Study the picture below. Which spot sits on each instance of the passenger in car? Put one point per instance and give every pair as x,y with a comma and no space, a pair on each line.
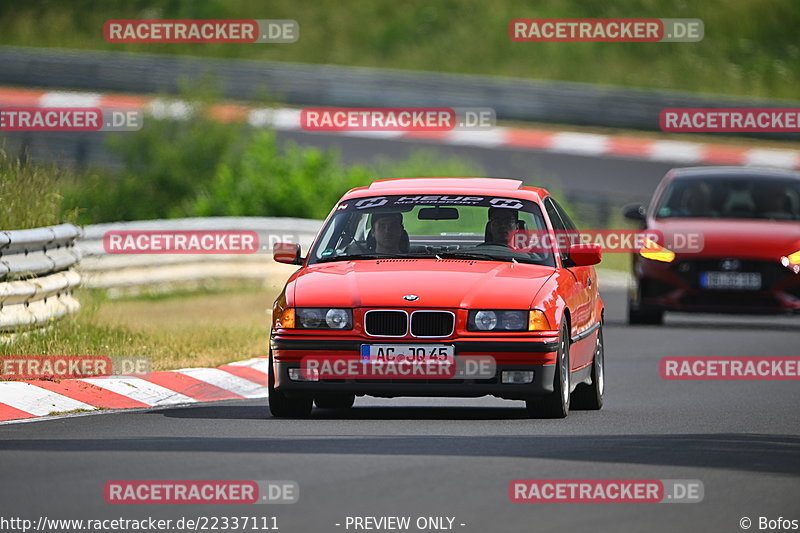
772,203
502,222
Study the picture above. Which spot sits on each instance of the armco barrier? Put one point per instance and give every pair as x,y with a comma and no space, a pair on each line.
37,276
102,270
40,267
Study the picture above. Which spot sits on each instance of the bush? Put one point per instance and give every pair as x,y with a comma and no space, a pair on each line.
301,182
167,162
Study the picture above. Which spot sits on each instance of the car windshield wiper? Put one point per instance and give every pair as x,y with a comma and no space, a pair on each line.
472,255
358,256
486,257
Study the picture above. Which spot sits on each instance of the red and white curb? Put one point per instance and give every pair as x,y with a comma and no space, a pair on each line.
565,142
24,400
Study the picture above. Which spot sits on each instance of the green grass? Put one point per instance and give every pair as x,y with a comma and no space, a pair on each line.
620,262
750,47
185,330
30,194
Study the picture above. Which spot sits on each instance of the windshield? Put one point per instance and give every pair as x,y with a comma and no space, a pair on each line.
732,198
429,226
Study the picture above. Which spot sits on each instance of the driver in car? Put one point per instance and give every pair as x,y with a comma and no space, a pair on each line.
387,229
386,236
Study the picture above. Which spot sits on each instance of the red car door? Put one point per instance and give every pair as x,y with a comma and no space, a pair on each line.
580,295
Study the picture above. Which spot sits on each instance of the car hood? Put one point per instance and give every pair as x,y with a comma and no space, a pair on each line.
756,239
437,283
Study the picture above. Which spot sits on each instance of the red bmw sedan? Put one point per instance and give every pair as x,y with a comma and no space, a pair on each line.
749,259
411,289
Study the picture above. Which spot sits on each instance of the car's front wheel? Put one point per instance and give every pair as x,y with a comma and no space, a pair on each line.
282,406
639,316
555,404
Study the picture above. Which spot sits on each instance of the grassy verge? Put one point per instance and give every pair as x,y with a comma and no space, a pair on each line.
617,262
203,329
30,195
750,48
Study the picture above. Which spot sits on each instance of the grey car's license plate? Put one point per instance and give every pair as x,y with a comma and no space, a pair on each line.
746,281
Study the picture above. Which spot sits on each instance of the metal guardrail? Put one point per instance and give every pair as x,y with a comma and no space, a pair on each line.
102,270
304,84
39,268
36,276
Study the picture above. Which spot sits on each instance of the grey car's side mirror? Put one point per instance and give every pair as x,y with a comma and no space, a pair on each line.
634,212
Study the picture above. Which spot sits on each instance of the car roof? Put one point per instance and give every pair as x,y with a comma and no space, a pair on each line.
732,172
484,186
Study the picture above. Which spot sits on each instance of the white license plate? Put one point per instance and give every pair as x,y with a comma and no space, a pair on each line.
412,353
746,281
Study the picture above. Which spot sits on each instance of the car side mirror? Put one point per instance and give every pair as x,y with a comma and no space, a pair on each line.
287,252
585,254
635,212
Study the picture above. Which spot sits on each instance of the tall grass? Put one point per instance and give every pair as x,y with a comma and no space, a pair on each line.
30,194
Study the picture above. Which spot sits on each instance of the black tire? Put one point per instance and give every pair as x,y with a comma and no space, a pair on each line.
335,401
283,407
556,404
645,318
590,397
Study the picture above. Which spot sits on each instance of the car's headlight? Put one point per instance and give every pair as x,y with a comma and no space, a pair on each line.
792,262
483,320
323,318
498,320
338,318
656,252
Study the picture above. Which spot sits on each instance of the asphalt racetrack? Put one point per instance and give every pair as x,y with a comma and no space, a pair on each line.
455,458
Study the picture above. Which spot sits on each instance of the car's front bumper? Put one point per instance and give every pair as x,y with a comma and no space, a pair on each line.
537,355
675,287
